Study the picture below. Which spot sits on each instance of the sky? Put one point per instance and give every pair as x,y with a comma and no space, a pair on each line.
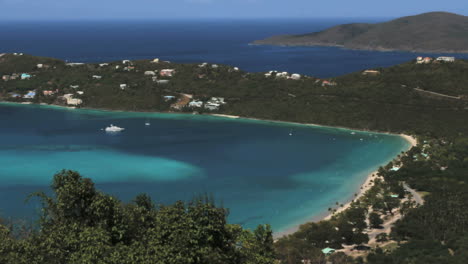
177,9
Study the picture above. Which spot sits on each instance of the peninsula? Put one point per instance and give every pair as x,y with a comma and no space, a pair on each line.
435,32
399,99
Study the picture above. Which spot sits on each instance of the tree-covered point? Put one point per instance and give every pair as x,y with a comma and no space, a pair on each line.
80,224
388,101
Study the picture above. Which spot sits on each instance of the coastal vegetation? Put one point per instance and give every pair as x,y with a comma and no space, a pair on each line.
425,100
428,32
80,224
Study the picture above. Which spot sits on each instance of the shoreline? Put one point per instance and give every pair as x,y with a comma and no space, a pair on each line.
408,138
265,42
363,188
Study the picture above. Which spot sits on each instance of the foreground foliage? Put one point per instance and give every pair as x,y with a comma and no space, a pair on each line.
83,225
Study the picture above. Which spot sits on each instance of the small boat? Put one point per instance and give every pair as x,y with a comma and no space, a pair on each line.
290,133
353,133
113,128
147,124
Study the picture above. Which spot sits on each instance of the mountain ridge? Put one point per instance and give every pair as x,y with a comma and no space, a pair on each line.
429,32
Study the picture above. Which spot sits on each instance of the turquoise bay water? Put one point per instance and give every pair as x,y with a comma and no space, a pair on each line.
254,168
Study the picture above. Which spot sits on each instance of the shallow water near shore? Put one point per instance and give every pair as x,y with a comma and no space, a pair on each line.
255,168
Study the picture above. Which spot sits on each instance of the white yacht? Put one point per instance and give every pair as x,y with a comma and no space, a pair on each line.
113,128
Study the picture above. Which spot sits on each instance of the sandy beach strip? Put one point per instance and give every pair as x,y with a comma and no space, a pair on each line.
366,186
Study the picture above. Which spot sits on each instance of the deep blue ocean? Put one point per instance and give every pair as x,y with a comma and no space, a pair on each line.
255,168
216,41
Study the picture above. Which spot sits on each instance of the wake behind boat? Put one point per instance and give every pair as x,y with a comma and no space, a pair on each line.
113,128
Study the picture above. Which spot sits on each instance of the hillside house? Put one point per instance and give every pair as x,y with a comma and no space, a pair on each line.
212,106
48,92
328,83
446,59
39,66
167,72
168,98
80,92
371,72
214,66
203,65
25,76
295,76
123,86
195,104
30,95
74,64
74,86
6,77
282,75
156,60
421,60
270,73
126,62
103,64
150,73
97,77
218,100
72,101
162,81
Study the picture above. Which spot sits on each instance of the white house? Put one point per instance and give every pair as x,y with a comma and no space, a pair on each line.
80,92
370,72
97,77
203,65
103,64
214,66
30,95
71,100
156,60
195,104
218,100
162,81
74,86
169,97
73,64
150,73
126,62
212,106
282,75
446,59
295,76
40,65
123,86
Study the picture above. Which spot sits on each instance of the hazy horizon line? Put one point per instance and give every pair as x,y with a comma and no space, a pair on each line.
189,19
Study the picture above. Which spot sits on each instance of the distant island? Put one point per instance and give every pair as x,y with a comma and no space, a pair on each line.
435,32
